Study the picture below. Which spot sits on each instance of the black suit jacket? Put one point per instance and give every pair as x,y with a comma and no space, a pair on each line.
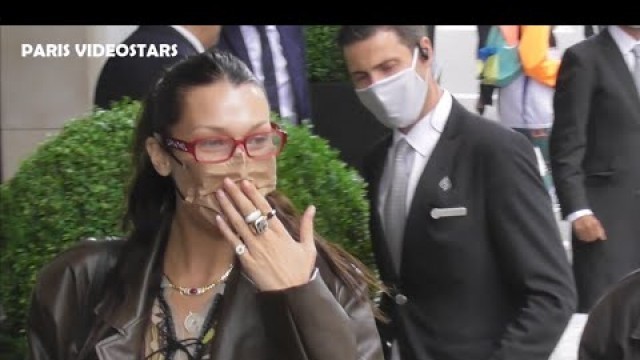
594,147
494,284
135,76
294,51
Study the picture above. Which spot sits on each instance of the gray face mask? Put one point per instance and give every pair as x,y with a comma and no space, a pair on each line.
397,100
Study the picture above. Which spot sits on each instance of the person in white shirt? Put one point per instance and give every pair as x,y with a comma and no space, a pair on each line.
594,147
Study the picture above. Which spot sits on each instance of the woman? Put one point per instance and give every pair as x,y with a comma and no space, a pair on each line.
217,264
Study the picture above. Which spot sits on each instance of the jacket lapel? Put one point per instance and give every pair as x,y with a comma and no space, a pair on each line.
231,37
624,77
128,318
439,167
375,171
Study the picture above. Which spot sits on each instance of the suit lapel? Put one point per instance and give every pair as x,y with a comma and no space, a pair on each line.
232,38
381,250
613,55
439,167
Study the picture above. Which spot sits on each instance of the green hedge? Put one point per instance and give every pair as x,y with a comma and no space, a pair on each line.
73,186
324,59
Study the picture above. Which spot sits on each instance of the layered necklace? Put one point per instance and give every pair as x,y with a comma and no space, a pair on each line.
194,321
194,291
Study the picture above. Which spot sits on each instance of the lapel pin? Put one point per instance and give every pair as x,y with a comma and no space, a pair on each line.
445,183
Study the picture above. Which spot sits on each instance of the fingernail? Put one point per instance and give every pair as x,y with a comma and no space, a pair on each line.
220,194
228,181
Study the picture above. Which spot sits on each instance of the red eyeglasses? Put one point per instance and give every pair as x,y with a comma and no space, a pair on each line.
217,149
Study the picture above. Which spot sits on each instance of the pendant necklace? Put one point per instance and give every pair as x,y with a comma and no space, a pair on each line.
193,322
194,291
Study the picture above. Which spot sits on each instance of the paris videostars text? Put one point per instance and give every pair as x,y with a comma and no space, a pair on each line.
98,50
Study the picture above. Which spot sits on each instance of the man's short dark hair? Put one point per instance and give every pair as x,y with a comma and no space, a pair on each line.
409,35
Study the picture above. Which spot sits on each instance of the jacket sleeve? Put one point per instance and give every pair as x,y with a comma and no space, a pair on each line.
53,302
313,322
613,327
568,140
534,51
61,309
528,246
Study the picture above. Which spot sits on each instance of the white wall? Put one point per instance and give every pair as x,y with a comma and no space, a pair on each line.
37,95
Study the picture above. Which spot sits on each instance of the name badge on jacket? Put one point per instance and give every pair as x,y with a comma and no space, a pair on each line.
437,213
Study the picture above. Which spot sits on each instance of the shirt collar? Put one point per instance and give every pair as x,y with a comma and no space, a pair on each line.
624,41
430,126
190,37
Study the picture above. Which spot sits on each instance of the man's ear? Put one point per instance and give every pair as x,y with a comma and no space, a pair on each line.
426,48
159,157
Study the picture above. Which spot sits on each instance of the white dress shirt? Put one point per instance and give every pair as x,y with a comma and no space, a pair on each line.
625,44
422,138
285,90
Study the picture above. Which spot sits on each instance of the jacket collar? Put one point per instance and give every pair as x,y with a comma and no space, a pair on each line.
127,317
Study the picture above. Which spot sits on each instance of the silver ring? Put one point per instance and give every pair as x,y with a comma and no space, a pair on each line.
253,216
241,249
270,214
260,225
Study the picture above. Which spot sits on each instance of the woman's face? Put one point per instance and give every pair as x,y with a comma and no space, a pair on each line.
213,112
221,109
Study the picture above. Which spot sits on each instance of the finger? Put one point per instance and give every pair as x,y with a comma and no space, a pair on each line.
233,217
255,196
601,233
244,205
231,237
261,202
306,227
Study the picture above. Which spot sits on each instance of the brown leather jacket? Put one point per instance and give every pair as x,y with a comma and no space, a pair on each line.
72,316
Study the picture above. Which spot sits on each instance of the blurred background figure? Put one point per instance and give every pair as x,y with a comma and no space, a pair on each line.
133,76
590,30
276,55
595,144
486,91
525,104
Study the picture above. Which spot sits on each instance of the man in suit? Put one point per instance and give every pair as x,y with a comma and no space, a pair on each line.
134,76
594,147
462,227
283,73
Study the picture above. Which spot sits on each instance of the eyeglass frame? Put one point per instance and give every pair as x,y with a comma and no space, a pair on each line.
190,146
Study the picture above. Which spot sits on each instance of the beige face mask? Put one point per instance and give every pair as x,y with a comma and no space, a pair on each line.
197,182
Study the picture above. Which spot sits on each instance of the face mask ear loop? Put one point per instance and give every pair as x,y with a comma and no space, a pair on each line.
414,61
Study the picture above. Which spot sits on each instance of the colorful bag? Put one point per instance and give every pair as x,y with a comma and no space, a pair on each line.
499,62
